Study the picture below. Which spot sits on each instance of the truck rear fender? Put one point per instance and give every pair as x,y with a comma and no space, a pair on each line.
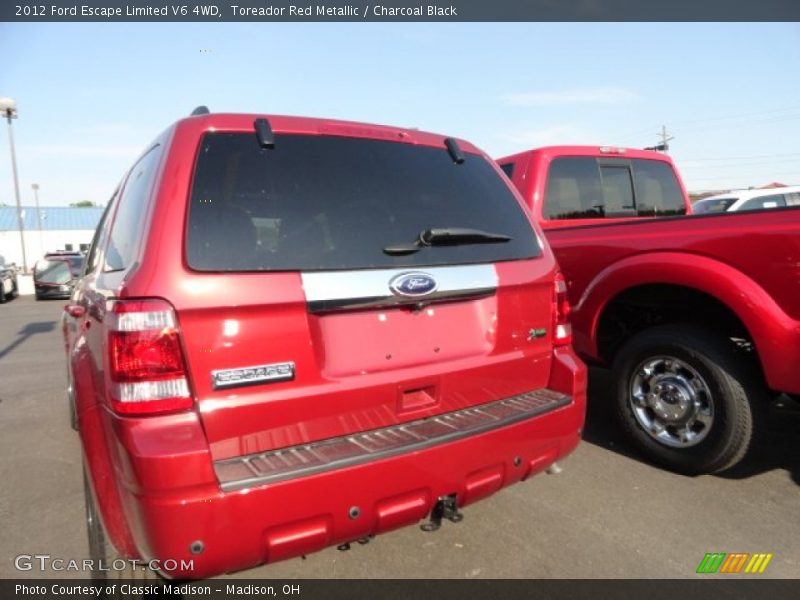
771,330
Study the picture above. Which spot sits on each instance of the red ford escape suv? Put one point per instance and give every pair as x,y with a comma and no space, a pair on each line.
295,332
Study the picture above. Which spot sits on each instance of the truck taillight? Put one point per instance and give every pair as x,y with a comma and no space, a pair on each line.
146,366
563,328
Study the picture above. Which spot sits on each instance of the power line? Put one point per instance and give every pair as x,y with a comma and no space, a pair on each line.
739,124
737,116
744,157
683,163
743,177
643,132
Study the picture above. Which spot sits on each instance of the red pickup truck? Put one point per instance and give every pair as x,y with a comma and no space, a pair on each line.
295,332
698,316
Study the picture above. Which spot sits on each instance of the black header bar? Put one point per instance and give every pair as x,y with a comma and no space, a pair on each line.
717,587
398,10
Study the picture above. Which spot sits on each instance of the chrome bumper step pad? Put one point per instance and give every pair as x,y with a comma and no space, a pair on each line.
335,453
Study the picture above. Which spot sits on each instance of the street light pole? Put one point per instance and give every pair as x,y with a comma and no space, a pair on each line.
9,108
35,187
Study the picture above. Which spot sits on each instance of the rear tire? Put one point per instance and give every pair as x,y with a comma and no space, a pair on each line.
98,544
2,294
687,398
102,551
73,412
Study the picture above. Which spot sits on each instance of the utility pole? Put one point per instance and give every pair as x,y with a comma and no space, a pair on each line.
665,139
9,108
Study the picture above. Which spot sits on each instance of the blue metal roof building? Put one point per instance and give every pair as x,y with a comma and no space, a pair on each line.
54,218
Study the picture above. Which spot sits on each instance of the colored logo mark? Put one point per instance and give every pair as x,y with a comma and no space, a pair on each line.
737,562
413,284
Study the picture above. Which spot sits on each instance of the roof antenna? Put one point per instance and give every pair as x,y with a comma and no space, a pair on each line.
266,139
455,150
200,110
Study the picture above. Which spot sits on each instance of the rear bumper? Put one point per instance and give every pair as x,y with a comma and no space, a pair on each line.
259,522
378,444
47,291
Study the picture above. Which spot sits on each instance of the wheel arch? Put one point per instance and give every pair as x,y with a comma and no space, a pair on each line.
676,287
640,307
96,453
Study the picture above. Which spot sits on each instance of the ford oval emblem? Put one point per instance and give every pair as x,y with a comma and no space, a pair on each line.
413,284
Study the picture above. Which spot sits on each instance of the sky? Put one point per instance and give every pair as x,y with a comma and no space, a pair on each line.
91,96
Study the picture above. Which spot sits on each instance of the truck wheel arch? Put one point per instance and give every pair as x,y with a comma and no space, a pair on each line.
714,284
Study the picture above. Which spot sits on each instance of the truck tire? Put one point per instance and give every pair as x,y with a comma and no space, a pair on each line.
2,294
687,398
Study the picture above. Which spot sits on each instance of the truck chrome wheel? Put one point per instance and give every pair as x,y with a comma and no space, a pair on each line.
671,401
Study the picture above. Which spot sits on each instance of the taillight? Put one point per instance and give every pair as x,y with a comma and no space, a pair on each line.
146,365
563,328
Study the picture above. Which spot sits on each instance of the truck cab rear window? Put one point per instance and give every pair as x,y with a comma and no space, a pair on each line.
327,203
587,188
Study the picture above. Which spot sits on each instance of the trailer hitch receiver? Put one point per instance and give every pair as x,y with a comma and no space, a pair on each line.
446,507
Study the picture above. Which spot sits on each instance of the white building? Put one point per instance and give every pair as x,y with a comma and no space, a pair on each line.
54,228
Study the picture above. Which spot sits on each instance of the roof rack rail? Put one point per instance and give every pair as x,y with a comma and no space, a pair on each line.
200,110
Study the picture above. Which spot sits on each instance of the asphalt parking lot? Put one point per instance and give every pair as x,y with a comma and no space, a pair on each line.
608,515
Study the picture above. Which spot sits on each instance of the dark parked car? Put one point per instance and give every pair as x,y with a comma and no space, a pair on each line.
55,275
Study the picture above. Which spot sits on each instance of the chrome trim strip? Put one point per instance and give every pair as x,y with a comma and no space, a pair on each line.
230,378
336,453
342,290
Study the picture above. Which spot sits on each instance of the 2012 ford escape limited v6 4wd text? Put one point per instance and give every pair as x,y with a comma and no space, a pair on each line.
294,332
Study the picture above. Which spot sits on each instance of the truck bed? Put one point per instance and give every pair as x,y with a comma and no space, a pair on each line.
748,260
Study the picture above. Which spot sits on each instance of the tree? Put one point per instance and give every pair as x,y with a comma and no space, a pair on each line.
82,203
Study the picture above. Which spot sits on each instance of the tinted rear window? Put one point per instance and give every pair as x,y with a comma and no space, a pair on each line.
327,203
574,190
657,189
617,191
580,187
52,271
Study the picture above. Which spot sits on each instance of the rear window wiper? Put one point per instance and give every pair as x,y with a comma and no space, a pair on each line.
447,236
